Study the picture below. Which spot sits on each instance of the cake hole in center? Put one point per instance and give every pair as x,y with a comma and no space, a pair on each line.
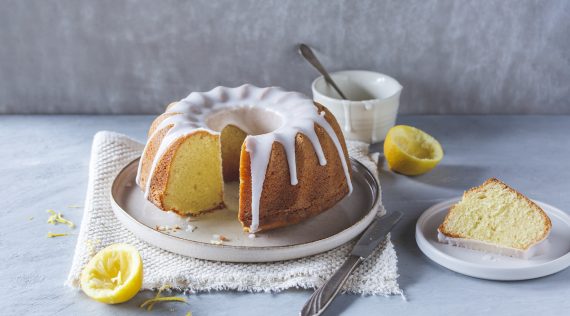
234,125
251,120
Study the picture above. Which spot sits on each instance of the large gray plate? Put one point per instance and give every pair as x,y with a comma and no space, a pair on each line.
325,231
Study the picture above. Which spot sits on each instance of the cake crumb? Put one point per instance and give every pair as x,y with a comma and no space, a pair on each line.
218,239
167,229
191,228
251,236
30,218
490,258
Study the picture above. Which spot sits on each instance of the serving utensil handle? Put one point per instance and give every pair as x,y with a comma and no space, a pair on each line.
308,54
324,295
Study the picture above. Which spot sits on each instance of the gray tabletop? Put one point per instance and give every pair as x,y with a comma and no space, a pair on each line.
44,162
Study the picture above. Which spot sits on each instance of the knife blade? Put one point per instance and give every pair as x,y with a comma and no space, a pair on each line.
372,237
375,234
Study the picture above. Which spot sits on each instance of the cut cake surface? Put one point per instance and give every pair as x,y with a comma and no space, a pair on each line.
495,218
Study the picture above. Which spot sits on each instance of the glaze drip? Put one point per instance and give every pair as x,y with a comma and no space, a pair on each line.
297,114
368,105
347,117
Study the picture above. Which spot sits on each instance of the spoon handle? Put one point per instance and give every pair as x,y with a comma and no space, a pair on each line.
308,54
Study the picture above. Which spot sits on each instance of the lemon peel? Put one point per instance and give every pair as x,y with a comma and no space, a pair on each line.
58,218
149,304
114,275
52,235
411,151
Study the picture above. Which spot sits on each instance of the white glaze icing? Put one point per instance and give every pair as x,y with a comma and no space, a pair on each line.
534,250
347,117
368,105
266,114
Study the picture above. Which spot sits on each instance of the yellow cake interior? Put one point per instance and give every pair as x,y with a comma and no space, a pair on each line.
232,139
191,190
497,214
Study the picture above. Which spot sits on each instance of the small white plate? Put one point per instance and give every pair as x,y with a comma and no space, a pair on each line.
490,266
328,230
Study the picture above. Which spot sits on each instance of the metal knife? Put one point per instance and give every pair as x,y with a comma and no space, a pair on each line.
370,239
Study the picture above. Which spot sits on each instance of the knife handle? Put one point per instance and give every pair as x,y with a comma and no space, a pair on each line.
324,295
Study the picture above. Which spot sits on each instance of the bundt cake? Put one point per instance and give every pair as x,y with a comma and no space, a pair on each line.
287,152
496,218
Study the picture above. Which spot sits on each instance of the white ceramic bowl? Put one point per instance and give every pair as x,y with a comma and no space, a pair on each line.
372,106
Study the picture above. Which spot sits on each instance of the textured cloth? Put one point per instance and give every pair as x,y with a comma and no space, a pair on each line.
99,228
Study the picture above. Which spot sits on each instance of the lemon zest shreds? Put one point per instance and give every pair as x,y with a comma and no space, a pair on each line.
52,235
161,289
149,304
74,206
189,314
58,218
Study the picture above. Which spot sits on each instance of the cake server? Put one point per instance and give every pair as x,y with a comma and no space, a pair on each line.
370,239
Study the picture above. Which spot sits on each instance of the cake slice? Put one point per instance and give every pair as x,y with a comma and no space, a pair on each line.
496,218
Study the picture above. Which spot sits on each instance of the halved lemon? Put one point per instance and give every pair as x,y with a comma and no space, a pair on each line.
114,275
411,151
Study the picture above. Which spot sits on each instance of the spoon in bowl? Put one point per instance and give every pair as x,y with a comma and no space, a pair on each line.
308,54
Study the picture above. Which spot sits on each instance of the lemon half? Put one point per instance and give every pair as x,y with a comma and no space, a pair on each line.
411,151
114,275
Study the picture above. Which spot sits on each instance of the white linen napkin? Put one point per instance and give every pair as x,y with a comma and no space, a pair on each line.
99,228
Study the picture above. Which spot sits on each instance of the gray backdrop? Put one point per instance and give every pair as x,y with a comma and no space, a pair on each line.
113,56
